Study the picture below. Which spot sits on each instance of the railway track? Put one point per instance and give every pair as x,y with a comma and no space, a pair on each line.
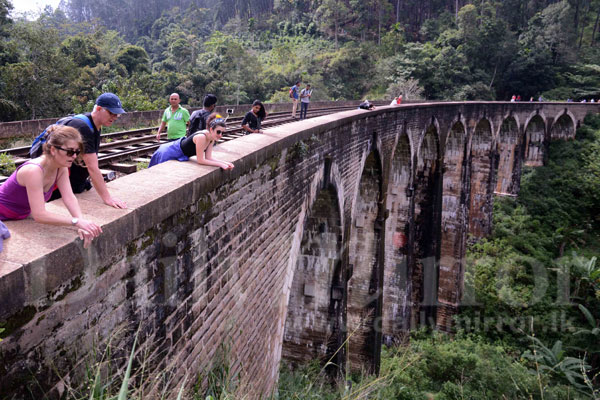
120,152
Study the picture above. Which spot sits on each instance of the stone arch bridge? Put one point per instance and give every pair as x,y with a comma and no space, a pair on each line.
348,225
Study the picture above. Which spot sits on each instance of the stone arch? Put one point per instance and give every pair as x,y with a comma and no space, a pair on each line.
535,133
365,286
427,220
453,232
509,117
314,313
480,196
563,127
396,310
508,160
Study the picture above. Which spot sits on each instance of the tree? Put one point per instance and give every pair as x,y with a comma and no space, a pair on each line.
81,50
134,58
39,69
5,8
409,89
330,15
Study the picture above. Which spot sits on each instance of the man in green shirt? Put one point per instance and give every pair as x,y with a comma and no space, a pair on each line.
175,118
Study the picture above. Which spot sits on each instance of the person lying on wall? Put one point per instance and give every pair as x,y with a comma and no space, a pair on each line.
200,144
28,189
366,105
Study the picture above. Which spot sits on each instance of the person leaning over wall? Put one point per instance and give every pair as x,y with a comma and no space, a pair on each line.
29,188
199,144
106,111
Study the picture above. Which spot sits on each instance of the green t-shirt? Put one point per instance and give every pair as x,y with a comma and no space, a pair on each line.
176,122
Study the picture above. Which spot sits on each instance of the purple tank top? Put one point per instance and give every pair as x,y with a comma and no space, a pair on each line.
14,203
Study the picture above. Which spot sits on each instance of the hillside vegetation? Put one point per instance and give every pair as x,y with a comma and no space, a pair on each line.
143,50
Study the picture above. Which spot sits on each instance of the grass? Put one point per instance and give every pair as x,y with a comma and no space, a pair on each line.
7,164
17,141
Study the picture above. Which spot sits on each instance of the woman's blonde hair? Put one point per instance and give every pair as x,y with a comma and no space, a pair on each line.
59,135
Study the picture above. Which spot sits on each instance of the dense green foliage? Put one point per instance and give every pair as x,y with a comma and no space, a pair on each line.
532,272
435,367
438,49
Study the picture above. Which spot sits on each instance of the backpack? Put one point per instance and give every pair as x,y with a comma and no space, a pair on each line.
36,149
292,92
197,121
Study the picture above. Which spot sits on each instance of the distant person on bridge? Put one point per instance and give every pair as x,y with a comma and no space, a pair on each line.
106,111
295,95
29,188
253,118
305,95
175,118
200,144
366,105
198,118
396,101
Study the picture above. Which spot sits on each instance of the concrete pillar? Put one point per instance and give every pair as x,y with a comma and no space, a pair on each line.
508,156
396,304
535,132
427,201
453,230
311,330
364,287
482,165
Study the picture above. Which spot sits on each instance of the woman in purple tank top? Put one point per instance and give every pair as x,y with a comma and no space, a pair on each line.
29,188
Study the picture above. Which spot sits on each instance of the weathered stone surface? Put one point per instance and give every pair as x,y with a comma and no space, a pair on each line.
354,221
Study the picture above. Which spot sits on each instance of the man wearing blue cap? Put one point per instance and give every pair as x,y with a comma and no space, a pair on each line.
106,111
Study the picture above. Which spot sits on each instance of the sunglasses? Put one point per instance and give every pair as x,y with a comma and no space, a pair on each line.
69,152
220,131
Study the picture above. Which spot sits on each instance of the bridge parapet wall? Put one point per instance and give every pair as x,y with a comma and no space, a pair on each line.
144,118
204,257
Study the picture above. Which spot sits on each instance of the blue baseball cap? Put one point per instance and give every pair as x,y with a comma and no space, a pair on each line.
111,102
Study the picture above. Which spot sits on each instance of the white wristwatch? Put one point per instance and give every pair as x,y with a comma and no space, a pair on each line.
74,221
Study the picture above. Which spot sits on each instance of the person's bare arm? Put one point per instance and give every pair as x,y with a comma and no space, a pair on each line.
161,128
32,178
247,128
204,153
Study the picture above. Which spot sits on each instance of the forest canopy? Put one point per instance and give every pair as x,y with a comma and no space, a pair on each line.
60,60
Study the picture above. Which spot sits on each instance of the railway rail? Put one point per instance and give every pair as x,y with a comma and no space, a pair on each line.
120,152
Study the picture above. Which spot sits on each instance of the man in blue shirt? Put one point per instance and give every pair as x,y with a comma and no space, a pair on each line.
295,95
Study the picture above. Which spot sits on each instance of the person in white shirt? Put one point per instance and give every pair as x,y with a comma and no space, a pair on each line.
305,100
396,101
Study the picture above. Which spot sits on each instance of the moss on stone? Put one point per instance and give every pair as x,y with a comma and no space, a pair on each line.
132,249
62,292
148,239
18,320
204,204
